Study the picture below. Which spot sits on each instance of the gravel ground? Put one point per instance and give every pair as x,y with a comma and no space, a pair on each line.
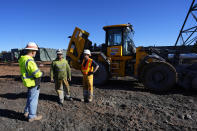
121,104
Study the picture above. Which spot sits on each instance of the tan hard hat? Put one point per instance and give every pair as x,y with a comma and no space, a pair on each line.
31,46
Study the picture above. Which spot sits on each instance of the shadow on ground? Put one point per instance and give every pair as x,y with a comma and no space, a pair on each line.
130,85
12,114
126,85
14,77
134,85
42,96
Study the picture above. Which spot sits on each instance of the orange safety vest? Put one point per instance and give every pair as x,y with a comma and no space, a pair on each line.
87,68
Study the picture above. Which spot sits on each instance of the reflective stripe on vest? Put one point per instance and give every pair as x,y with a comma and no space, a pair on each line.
27,76
62,70
88,67
61,66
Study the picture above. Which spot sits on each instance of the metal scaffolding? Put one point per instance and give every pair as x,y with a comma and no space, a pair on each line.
187,35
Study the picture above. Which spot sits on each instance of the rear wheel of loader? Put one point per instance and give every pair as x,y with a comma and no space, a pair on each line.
194,83
102,75
159,76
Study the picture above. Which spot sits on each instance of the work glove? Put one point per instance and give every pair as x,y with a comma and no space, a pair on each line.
90,73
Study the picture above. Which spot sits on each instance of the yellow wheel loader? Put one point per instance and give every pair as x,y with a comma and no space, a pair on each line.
119,57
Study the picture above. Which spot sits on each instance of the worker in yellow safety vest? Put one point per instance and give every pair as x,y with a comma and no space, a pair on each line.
31,77
87,69
61,74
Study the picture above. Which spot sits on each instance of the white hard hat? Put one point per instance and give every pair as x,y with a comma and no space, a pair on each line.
31,46
87,52
59,51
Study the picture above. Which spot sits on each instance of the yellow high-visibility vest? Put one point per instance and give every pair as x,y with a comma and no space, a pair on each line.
29,70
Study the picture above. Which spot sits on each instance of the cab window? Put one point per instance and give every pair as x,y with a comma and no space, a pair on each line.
114,37
128,46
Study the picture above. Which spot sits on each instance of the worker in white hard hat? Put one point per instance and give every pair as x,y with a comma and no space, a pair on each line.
61,74
88,68
31,77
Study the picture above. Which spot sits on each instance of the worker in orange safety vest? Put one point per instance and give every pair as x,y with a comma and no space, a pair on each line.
87,69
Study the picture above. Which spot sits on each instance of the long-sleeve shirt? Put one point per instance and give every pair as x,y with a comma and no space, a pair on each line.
60,70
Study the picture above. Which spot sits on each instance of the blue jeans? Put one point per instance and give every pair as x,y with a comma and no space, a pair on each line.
32,101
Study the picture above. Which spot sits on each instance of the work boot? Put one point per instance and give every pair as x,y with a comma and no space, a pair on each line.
82,100
85,100
68,98
61,101
90,99
61,104
37,118
26,114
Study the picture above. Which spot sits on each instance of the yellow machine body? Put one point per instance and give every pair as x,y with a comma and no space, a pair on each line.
79,41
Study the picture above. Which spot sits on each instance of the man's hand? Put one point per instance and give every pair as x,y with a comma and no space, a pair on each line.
69,79
96,68
42,73
52,80
37,81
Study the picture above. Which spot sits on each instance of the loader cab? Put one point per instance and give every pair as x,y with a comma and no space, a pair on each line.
120,49
119,40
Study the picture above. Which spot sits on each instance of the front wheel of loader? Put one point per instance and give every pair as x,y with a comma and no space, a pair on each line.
102,75
159,76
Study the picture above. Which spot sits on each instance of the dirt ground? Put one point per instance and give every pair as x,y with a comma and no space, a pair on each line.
119,105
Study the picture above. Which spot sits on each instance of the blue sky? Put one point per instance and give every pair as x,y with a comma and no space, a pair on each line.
50,22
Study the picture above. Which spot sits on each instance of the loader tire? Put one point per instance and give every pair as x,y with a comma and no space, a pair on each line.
102,75
143,65
194,83
159,76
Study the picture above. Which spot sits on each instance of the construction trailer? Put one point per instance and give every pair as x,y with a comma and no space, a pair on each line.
43,54
6,57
